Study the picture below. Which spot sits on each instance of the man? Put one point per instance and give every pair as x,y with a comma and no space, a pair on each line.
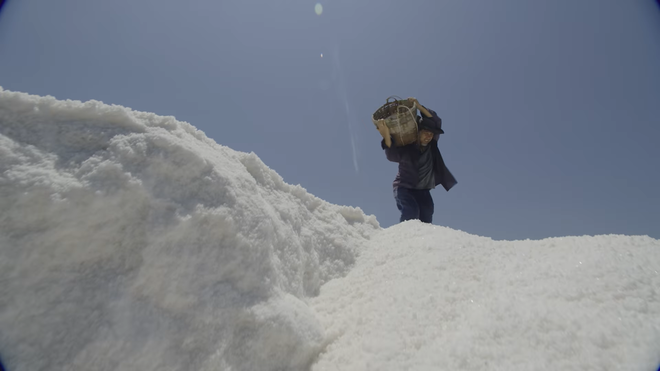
421,166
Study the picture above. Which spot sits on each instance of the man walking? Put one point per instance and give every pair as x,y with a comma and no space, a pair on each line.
421,167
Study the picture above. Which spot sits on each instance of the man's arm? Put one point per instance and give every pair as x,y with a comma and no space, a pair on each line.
392,153
421,108
429,115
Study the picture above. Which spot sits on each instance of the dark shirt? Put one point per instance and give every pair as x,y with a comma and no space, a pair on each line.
425,172
411,170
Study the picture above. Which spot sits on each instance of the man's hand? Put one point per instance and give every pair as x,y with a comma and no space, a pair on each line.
421,108
384,132
414,100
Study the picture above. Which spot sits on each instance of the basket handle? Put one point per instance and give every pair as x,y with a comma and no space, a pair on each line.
397,98
393,97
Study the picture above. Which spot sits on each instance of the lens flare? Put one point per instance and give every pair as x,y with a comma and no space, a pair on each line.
318,8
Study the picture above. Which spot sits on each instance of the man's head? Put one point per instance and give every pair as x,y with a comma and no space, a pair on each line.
428,128
425,136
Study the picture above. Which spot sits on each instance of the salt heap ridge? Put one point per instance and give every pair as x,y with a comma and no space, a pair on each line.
130,240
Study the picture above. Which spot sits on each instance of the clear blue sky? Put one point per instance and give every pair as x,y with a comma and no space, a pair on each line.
551,109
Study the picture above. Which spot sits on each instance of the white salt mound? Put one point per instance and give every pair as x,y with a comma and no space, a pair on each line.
131,241
425,297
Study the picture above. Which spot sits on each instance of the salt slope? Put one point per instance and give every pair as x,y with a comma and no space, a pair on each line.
131,241
431,298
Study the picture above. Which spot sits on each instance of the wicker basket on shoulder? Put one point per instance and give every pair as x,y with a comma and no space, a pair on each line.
400,117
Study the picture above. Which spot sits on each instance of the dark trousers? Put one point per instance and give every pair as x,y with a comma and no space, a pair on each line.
414,204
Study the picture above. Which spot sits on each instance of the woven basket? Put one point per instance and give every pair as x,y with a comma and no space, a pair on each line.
400,117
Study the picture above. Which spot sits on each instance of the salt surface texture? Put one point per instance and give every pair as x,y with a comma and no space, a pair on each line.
132,241
426,297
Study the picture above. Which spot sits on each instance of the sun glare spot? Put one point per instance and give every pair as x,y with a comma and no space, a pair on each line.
318,8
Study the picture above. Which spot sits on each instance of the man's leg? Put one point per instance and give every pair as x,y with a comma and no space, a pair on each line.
425,204
405,201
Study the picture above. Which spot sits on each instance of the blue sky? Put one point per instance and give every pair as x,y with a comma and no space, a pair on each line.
551,109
